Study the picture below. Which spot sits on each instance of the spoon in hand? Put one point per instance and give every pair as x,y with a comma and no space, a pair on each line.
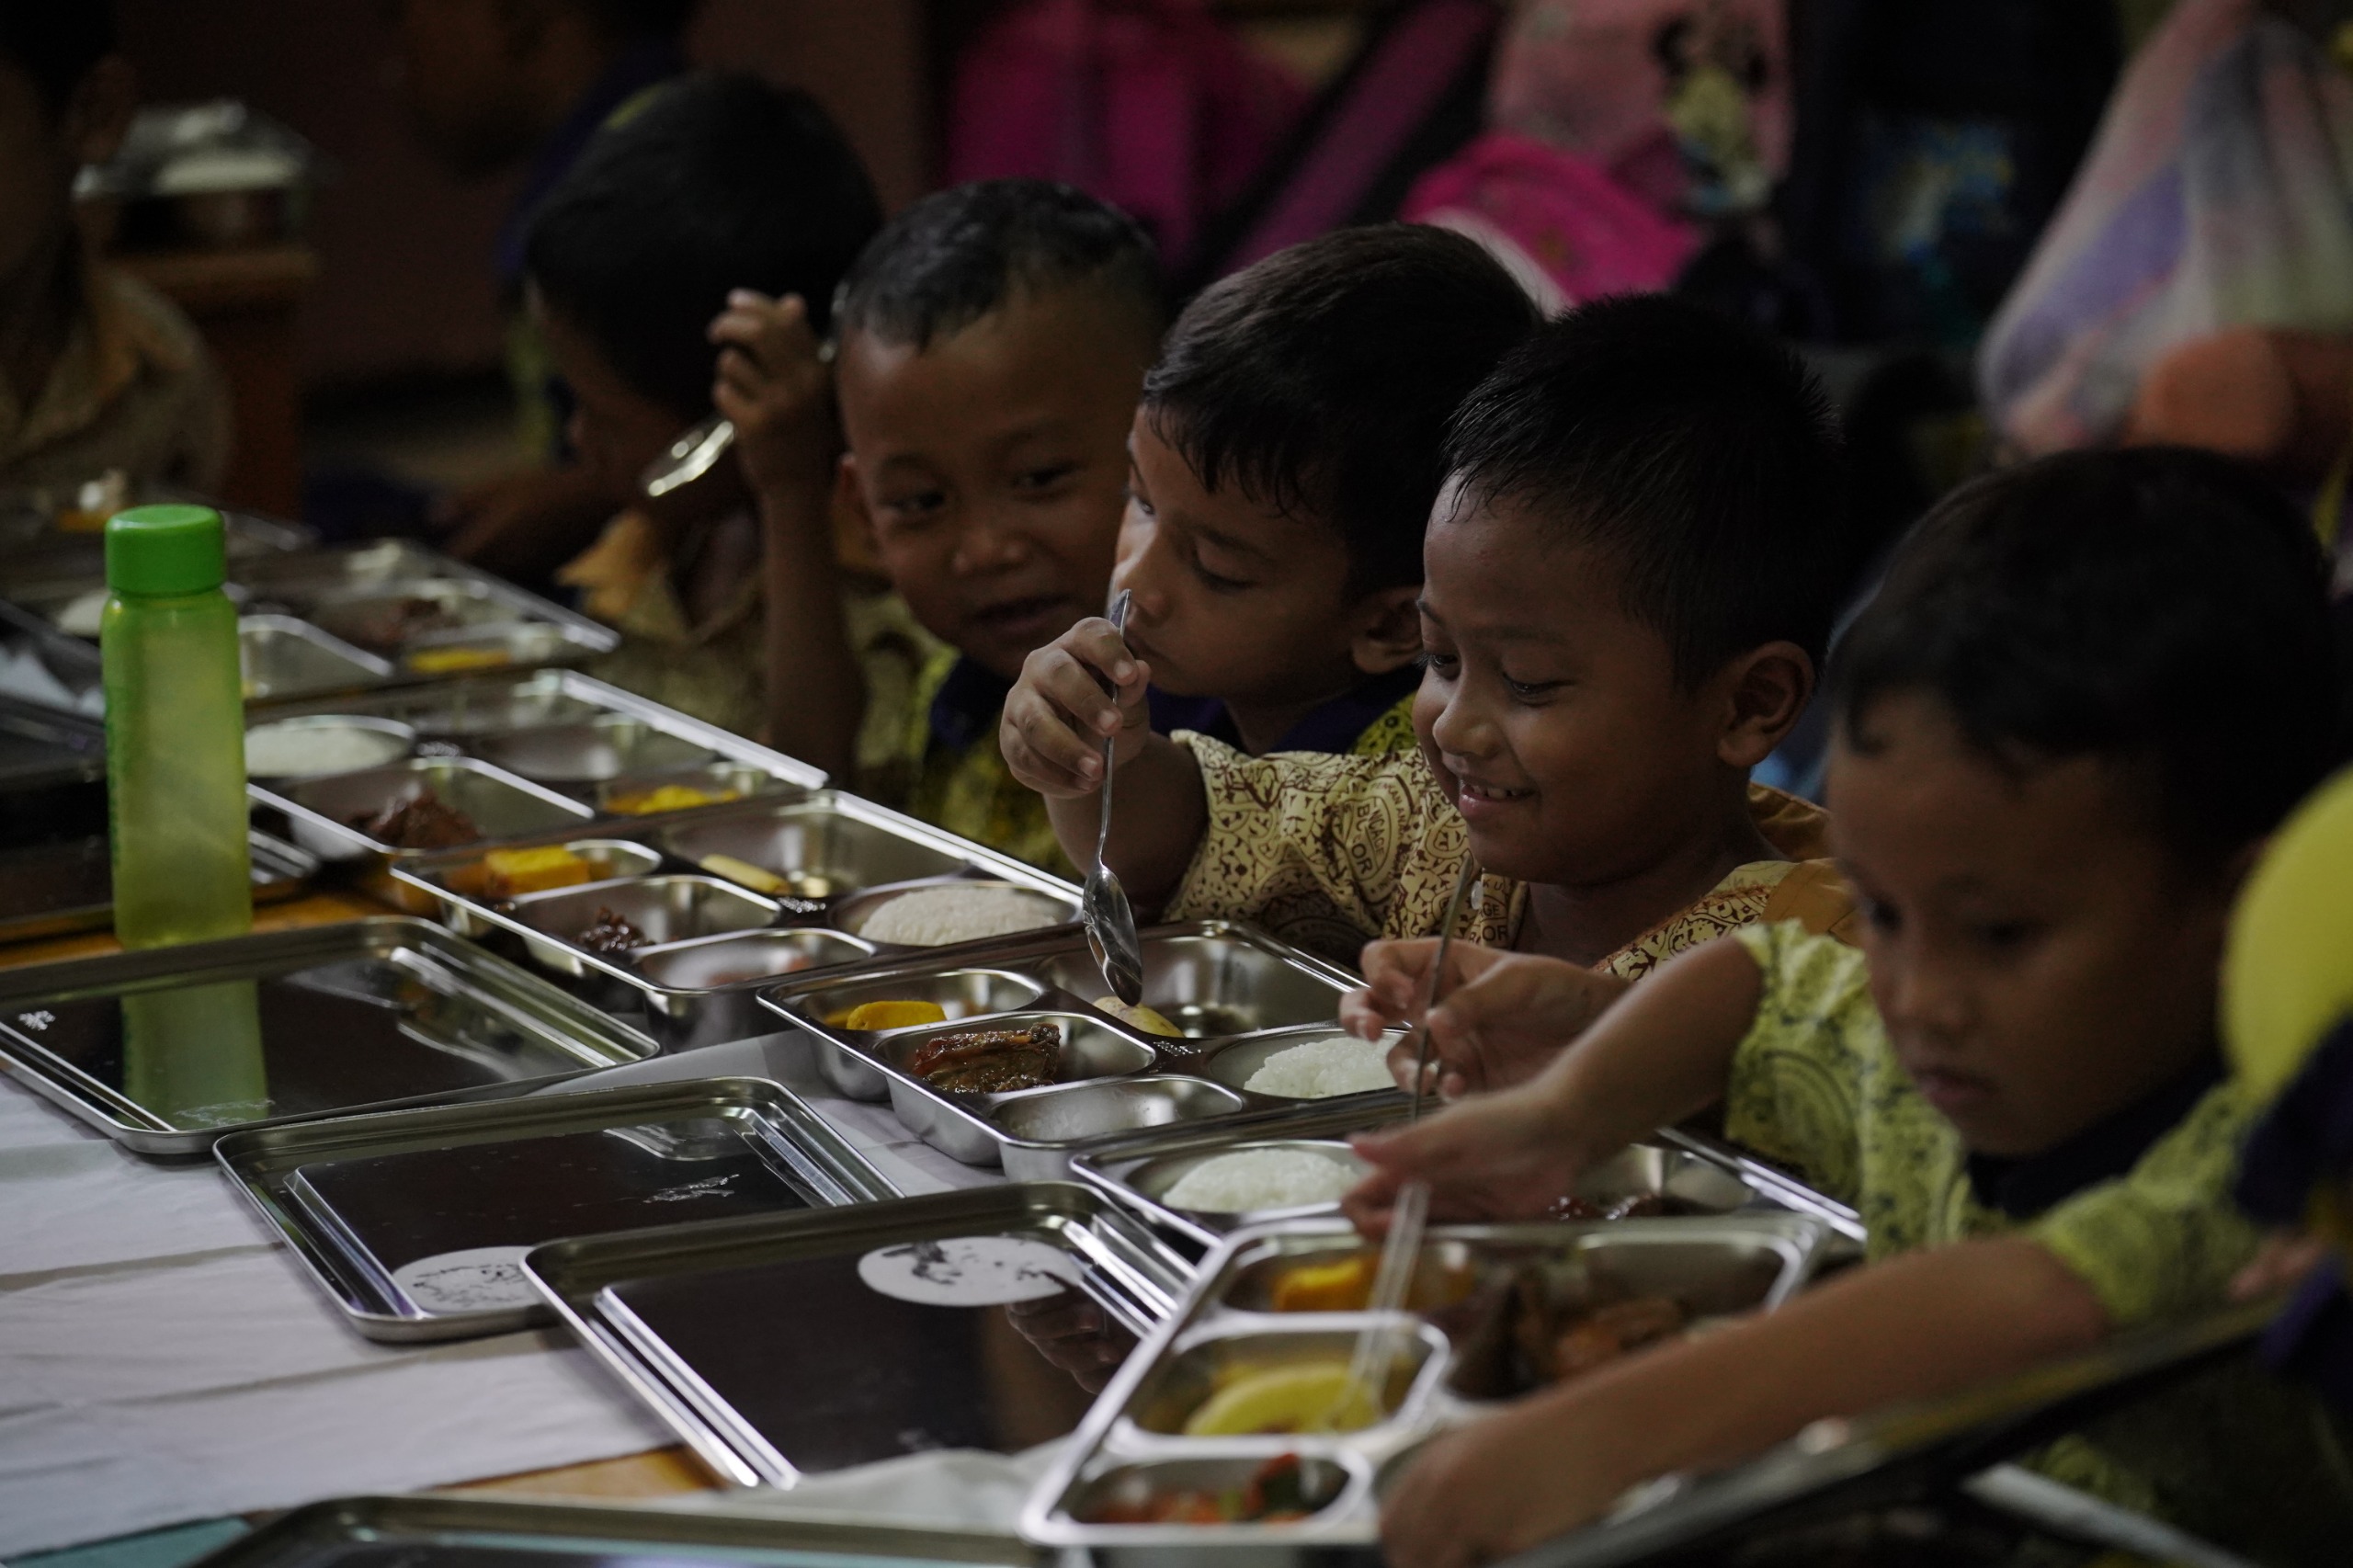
1111,923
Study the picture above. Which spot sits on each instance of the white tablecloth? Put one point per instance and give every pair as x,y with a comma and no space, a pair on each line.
163,1358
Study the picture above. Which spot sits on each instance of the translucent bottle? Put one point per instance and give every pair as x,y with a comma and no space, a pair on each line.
176,731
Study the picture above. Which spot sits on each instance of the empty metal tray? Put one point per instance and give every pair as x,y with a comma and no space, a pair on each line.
415,1221
166,1050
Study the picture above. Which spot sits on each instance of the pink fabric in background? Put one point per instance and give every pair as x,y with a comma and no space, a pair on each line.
1151,104
1554,218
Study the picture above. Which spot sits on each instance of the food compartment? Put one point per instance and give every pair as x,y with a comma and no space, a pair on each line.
645,794
320,744
1315,1064
941,914
819,852
487,648
386,617
1334,1275
709,964
1645,1181
1040,1126
1004,1056
493,707
614,919
1221,1183
1239,1490
280,656
1213,984
959,994
591,753
1282,1382
310,577
427,803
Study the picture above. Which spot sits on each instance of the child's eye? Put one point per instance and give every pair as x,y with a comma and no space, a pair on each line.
1044,477
1216,584
1442,665
923,503
1878,916
2004,936
1531,690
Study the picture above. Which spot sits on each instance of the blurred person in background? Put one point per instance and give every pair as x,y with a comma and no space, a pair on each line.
98,371
491,85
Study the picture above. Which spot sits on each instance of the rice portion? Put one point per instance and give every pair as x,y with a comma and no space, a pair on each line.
933,917
1336,1064
1254,1179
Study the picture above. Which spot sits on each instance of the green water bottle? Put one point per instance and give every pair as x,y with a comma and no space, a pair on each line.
176,731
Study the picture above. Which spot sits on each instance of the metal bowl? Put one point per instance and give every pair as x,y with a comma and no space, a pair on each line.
388,739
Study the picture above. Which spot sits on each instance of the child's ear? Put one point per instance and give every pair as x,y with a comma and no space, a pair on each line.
97,116
1388,634
1765,690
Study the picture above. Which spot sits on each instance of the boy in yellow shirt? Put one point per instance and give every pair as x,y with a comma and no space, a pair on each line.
1629,581
2089,690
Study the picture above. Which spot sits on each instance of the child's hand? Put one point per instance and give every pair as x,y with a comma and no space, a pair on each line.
774,384
1058,715
1494,1157
1496,1487
1501,1017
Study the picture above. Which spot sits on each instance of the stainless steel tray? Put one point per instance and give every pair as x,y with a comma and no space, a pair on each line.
414,1222
496,1532
327,814
762,1344
717,942
166,1050
45,748
282,657
1133,1442
555,734
1238,993
42,665
1694,1179
64,885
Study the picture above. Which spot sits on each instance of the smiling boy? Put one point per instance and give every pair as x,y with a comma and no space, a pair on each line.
2087,691
1630,579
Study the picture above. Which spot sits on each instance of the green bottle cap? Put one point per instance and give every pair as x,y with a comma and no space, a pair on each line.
166,549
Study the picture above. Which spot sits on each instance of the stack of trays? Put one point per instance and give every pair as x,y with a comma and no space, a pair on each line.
415,1222
795,1344
520,756
347,619
1675,1175
1238,996
167,1050
1216,1398
824,864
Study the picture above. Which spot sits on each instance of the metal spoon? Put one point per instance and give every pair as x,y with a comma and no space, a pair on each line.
1111,923
1382,1340
1470,874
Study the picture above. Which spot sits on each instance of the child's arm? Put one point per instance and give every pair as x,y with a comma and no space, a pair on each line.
1661,1054
773,384
1056,720
1505,1016
1930,1324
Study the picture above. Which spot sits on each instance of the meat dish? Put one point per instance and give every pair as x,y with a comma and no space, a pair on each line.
422,821
991,1062
610,933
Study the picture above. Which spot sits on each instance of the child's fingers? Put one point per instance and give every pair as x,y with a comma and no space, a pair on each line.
1363,1016
1097,645
1041,748
1061,679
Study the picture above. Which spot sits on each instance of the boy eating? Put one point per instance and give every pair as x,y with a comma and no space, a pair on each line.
993,338
2087,691
1629,581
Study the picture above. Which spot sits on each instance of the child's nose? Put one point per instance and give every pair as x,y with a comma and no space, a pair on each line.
986,544
1927,1000
1461,729
1139,570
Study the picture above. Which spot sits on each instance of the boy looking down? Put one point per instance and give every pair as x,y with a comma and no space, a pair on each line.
1628,580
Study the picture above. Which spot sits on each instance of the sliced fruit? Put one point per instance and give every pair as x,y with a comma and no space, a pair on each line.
1299,1396
1341,1286
893,1015
744,872
506,872
1140,1015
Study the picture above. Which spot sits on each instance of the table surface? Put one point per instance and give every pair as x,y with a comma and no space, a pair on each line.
661,1472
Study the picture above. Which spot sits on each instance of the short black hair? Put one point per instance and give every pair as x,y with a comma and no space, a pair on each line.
642,18
1320,381
57,43
717,183
2163,609
957,254
1698,455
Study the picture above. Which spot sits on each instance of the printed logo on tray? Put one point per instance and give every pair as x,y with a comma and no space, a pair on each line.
969,1271
477,1280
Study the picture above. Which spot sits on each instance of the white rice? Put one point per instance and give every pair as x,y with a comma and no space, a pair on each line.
1254,1179
1336,1064
933,917
304,751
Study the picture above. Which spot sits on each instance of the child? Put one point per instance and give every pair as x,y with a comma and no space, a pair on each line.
2088,690
98,371
716,183
1630,579
993,340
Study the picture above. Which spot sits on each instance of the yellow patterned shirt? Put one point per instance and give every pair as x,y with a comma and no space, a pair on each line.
1330,852
1816,1085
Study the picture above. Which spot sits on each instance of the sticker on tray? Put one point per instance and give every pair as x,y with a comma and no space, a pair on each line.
969,1271
477,1279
